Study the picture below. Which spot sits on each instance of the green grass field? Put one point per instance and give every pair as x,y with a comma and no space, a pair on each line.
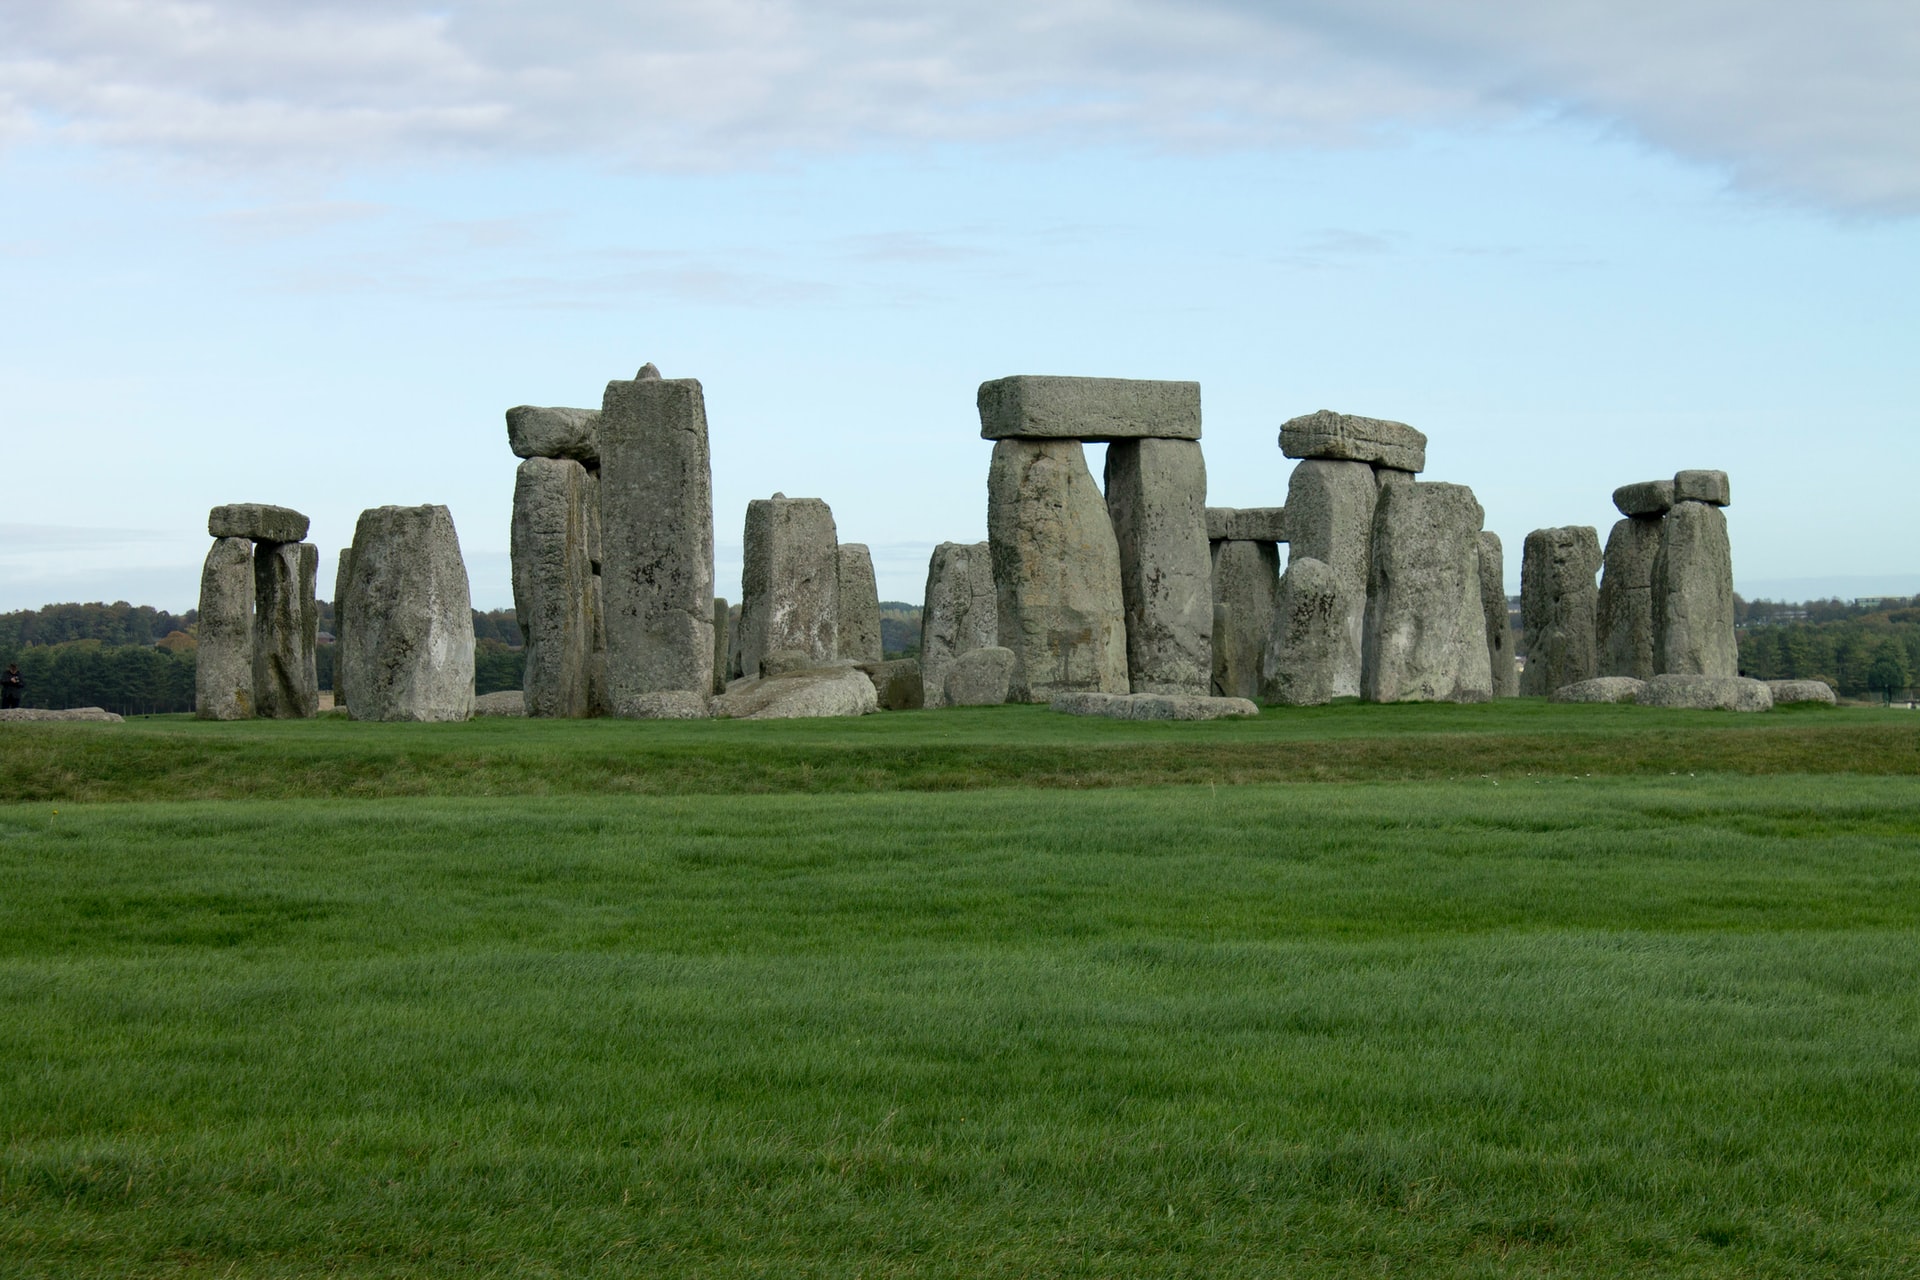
1363,991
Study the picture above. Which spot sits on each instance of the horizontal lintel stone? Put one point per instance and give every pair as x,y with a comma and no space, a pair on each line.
1646,499
1349,437
1040,407
258,521
1246,524
1710,487
537,432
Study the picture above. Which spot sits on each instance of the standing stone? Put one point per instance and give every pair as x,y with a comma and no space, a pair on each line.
980,677
1308,644
553,586
857,618
409,652
1558,603
656,531
1056,568
959,613
342,572
1330,519
1246,589
722,639
790,581
1693,594
1493,607
223,665
286,630
1426,631
1624,612
1157,500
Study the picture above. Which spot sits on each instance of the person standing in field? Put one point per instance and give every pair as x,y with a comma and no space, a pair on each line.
10,686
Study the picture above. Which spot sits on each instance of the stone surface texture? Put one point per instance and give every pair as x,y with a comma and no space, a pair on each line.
534,432
1246,590
39,715
1157,499
1710,487
959,612
796,695
1307,646
1623,610
1330,519
1493,608
409,652
1788,692
553,595
223,665
342,571
1037,407
507,702
723,615
1246,524
1707,693
1558,602
286,630
1151,706
1426,631
897,683
656,534
1693,594
1649,498
670,704
857,610
1056,569
257,522
1348,437
980,677
1600,689
790,582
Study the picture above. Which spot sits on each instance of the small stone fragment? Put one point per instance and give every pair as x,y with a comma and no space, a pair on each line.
1650,498
1710,487
1600,689
535,432
223,665
1790,692
1038,407
257,522
980,677
1707,693
1349,437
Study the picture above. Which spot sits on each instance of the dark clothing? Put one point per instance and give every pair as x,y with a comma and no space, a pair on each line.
10,686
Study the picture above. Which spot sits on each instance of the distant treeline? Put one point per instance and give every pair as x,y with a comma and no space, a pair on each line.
1859,650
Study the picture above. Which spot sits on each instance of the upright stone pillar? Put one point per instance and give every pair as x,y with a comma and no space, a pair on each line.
1329,509
1056,567
958,614
1425,637
857,615
409,651
656,507
790,581
1246,589
342,573
1558,602
286,630
223,670
1309,636
1493,607
1157,500
1625,608
553,583
1693,581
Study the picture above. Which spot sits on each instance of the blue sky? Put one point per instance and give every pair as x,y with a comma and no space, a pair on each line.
309,253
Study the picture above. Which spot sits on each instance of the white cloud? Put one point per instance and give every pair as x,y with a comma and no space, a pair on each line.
1813,100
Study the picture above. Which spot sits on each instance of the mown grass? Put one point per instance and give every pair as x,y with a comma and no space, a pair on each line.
178,758
1542,1026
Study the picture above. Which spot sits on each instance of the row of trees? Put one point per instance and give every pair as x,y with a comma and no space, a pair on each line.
1868,653
116,623
130,680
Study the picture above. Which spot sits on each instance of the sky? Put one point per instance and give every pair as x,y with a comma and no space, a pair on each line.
309,251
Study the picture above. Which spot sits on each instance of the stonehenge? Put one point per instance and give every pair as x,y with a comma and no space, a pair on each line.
1623,618
1330,504
553,596
286,625
260,620
223,674
1307,643
1558,604
1693,590
408,654
1425,634
857,618
1156,496
1246,591
960,612
1088,409
790,585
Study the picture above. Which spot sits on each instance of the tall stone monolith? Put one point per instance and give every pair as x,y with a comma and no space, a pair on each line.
286,626
1056,569
409,648
789,581
656,534
1246,587
1307,643
1493,608
1558,603
1330,505
223,664
959,613
1624,607
1426,633
722,642
342,571
553,595
1157,500
1693,594
857,612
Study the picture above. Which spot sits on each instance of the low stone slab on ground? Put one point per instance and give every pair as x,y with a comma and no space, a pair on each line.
506,702
898,683
258,522
1246,524
1151,706
1710,487
1352,438
1707,693
1788,692
797,695
33,715
1600,689
980,677
668,704
535,432
1648,498
1042,407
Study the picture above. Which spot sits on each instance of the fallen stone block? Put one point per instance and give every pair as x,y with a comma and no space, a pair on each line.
1039,407
1349,437
257,522
1246,524
1707,693
1600,689
1710,487
898,683
1151,706
1649,498
507,702
980,677
36,715
534,432
795,695
668,704
1791,692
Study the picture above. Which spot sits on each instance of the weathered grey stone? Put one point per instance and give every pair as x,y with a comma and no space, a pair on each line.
1788,692
1246,524
506,702
1054,408
223,664
1493,608
656,506
980,677
897,683
593,520
534,432
722,642
286,627
790,583
1330,519
1151,706
960,612
1600,689
409,650
1624,608
1348,437
342,572
670,704
1307,646
1706,693
553,586
1649,498
1384,476
1246,589
857,610
1558,602
1157,498
1693,594
793,695
1056,567
782,661
33,715
257,521
733,644
1710,487
1426,631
